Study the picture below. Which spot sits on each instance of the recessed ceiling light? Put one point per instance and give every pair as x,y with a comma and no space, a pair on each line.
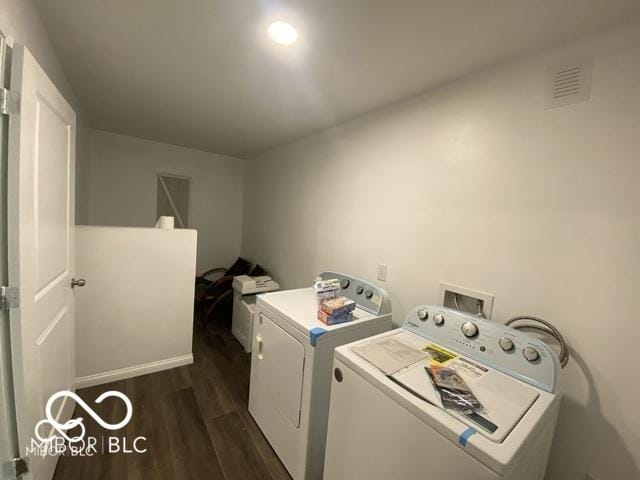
282,33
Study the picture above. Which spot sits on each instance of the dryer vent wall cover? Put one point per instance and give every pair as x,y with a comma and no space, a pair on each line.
569,83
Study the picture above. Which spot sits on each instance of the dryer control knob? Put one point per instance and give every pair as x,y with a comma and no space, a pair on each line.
423,315
368,294
344,283
360,289
531,354
506,344
438,319
469,329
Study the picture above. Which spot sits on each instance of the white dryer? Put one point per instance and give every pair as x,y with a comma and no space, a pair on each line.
291,365
391,424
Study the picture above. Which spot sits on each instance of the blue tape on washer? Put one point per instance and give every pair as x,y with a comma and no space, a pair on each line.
314,333
464,436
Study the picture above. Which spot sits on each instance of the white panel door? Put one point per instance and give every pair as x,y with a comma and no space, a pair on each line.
8,439
41,245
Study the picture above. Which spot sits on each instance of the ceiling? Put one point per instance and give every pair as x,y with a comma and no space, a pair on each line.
203,73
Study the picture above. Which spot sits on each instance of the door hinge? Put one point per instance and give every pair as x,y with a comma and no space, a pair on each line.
9,298
9,102
17,467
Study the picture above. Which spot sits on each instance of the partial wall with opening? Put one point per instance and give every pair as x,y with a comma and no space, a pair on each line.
135,313
134,181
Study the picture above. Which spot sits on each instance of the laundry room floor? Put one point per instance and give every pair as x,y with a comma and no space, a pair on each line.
195,420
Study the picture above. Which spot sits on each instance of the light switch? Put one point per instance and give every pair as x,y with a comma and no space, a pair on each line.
382,272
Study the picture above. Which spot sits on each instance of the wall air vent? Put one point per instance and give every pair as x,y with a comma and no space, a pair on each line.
569,83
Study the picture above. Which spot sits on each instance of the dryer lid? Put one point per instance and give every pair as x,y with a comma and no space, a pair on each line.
300,309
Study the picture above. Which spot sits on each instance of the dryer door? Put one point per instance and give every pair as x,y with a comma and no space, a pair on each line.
275,395
280,368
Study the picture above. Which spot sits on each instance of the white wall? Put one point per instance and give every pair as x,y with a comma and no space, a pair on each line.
22,19
83,173
28,30
123,187
477,184
135,314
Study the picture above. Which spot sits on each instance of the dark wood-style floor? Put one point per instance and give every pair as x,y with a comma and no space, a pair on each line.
195,419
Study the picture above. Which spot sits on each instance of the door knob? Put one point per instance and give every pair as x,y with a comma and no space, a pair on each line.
80,282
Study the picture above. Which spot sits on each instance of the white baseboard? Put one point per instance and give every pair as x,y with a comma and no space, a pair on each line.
135,371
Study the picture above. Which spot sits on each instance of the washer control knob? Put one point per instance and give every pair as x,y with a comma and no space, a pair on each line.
360,289
469,329
438,319
506,344
368,294
344,283
531,354
423,315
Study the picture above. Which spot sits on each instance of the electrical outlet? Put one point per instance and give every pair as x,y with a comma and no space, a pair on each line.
466,300
382,272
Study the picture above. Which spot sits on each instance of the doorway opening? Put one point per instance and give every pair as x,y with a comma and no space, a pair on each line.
173,198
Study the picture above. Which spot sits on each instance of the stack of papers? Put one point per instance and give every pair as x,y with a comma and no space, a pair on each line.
390,354
403,362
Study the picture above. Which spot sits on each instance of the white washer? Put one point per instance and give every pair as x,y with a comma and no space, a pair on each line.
291,364
393,425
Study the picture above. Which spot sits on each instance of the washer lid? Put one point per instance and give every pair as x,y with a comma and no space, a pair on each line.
405,357
505,400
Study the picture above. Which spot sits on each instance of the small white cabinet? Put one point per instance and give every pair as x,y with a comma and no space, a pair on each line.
242,323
